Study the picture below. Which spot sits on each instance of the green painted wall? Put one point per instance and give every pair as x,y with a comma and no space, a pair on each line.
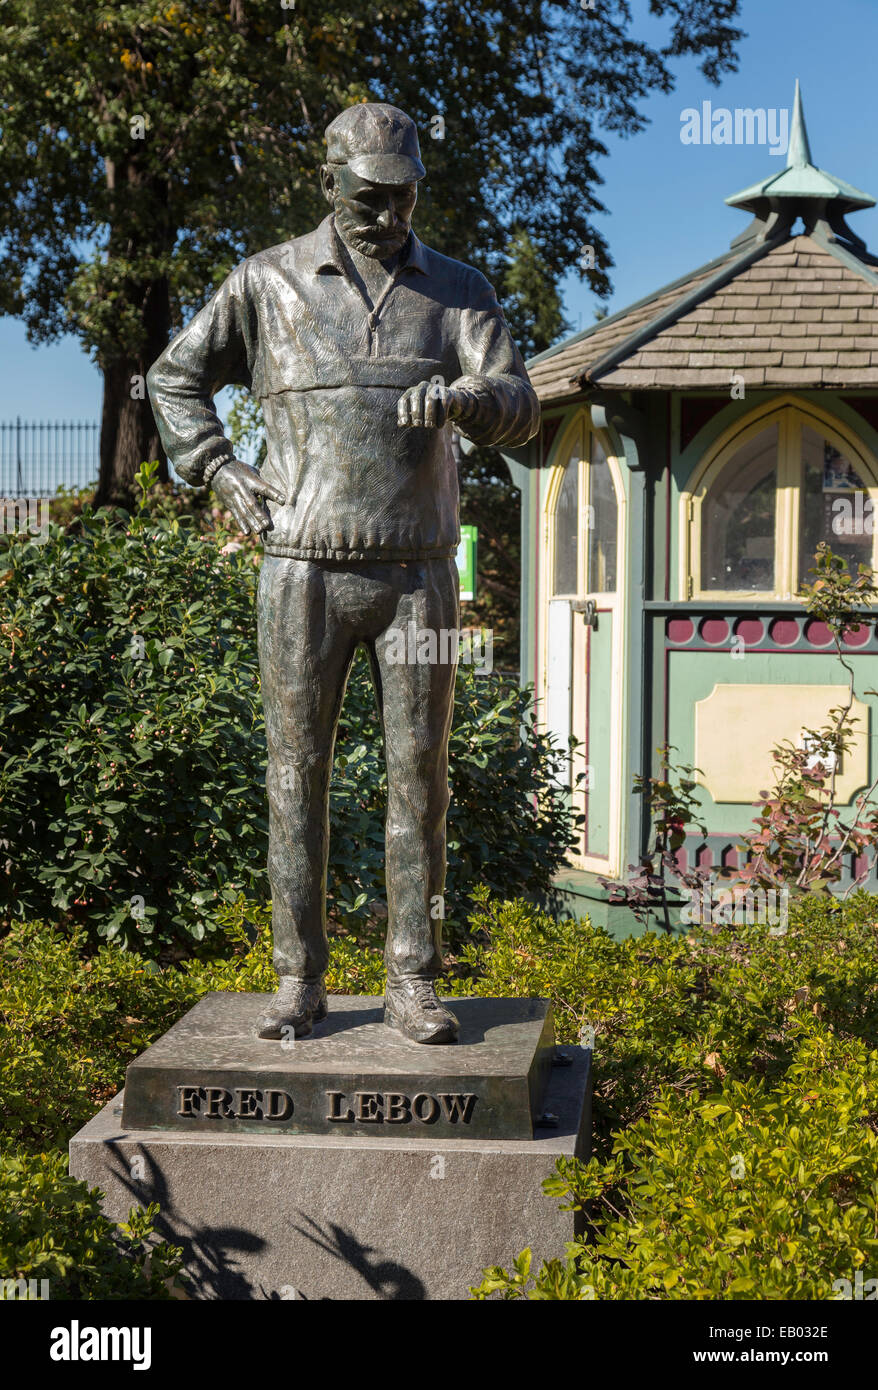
693,675
653,566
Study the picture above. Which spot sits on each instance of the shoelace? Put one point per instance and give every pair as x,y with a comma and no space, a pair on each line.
296,988
423,991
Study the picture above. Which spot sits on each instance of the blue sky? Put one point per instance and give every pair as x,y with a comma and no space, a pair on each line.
665,198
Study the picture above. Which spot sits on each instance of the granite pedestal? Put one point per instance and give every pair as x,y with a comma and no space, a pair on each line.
350,1165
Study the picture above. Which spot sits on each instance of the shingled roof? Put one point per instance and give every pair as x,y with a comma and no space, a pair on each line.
780,309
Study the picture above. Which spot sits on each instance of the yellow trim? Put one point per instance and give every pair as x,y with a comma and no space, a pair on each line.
562,448
786,514
792,413
613,865
579,424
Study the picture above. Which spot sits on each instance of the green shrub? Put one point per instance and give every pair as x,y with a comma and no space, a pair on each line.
509,824
750,1192
684,1011
735,1076
52,1228
73,1018
71,1022
128,727
736,1102
132,748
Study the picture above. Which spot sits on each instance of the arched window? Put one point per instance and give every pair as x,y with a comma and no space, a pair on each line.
566,580
760,504
585,522
836,505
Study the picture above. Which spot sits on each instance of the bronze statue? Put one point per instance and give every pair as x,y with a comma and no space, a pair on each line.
362,346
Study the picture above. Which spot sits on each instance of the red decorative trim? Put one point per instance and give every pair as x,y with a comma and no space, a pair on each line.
714,631
867,406
784,631
695,411
750,630
679,630
549,430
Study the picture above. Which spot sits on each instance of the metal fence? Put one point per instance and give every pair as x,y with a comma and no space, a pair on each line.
39,457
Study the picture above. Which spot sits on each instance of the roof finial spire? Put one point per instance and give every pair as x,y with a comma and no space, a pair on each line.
798,151
800,190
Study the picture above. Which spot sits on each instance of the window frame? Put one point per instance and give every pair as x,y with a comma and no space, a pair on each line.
577,431
791,415
582,430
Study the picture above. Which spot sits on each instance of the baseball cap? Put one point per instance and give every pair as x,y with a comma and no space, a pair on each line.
379,142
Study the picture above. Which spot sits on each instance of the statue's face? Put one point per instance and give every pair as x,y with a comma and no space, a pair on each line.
373,218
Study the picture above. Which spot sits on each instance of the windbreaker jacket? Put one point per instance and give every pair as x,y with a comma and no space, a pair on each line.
292,326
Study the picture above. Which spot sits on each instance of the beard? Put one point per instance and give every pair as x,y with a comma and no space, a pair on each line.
368,241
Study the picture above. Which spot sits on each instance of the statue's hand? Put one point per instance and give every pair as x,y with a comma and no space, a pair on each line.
240,488
429,405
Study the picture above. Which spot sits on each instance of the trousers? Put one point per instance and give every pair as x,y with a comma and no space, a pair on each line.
312,617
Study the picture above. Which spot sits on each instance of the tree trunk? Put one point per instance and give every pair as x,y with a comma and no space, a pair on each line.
129,436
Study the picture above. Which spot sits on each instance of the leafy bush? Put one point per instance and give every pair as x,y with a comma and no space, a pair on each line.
128,727
132,749
74,1018
52,1228
509,824
751,1191
736,1080
736,1096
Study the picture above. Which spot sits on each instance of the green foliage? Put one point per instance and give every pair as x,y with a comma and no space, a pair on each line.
672,803
680,1010
107,219
146,148
736,1089
75,1017
749,1192
130,794
71,1023
509,826
246,427
736,1081
837,597
522,951
52,1228
531,297
132,747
